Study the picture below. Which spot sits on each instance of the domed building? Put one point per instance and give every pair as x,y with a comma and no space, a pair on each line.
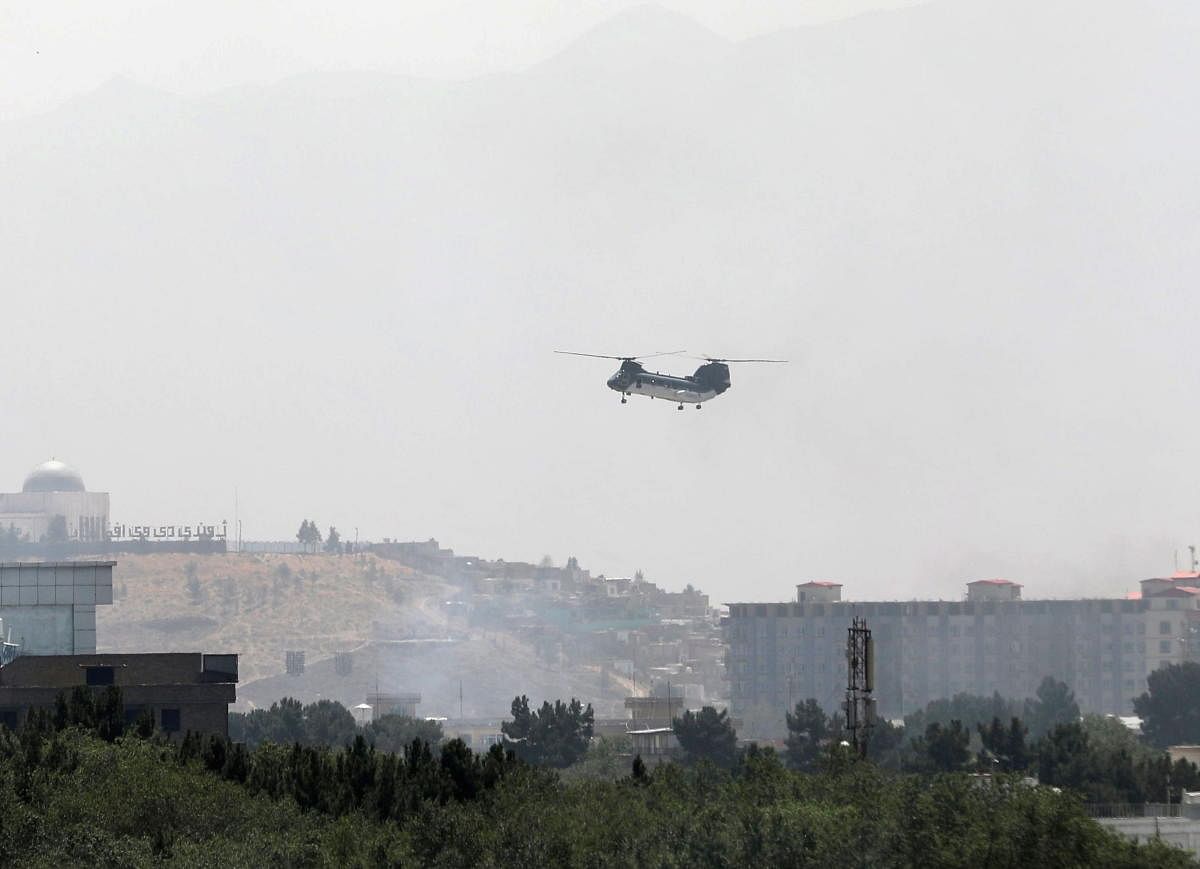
54,506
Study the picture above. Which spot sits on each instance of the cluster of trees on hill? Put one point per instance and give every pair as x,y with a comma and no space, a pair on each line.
74,791
310,536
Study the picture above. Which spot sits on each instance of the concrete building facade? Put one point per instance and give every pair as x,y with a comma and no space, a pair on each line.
781,653
49,607
183,691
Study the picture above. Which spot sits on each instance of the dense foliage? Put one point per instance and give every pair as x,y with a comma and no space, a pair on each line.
329,723
555,735
70,798
1096,757
1053,704
77,787
707,735
1170,708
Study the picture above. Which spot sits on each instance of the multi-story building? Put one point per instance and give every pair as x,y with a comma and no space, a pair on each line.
781,653
182,690
48,629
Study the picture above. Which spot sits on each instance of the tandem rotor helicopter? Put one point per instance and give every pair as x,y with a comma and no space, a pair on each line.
710,380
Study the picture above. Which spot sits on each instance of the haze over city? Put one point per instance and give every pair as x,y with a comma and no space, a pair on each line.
331,275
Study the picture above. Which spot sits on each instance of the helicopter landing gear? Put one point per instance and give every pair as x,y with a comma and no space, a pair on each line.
680,407
697,407
624,400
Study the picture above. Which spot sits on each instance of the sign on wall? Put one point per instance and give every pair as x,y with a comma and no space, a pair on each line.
201,531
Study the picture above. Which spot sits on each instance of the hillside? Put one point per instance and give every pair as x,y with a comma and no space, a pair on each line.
389,616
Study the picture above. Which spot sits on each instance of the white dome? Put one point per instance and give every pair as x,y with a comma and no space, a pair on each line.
53,476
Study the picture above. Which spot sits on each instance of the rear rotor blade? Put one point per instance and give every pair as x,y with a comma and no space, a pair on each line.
750,360
719,359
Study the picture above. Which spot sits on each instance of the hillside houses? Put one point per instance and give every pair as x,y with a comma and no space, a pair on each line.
633,631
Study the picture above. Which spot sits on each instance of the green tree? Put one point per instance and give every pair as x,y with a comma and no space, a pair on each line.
393,732
555,735
1004,748
887,746
328,722
969,709
707,735
1055,704
283,724
808,732
309,536
942,748
606,759
333,541
1170,707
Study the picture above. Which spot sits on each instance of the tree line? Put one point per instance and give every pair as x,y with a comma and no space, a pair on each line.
311,538
329,723
79,787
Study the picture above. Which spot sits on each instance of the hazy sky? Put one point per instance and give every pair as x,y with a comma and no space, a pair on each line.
50,51
971,224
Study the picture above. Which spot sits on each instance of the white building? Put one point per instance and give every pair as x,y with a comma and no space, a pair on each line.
54,505
49,608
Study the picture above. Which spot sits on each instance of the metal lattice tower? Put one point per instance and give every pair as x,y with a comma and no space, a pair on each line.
860,682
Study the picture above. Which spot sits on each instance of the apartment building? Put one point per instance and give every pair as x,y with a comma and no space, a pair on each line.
778,654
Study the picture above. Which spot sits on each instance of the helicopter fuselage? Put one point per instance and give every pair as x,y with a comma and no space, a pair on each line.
633,379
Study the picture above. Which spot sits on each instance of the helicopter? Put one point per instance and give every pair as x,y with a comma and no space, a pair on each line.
710,379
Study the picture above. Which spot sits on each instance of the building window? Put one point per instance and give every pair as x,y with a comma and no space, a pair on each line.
1164,627
1164,647
170,720
99,675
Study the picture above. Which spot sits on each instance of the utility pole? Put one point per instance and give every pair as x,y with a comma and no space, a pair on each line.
860,683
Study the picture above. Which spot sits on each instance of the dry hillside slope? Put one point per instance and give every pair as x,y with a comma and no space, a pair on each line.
389,616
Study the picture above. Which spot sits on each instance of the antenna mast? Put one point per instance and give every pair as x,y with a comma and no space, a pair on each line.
860,683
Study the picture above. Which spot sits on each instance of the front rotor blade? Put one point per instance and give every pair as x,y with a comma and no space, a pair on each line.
592,355
665,353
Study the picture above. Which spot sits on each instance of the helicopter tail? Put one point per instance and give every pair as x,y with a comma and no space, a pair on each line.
713,375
